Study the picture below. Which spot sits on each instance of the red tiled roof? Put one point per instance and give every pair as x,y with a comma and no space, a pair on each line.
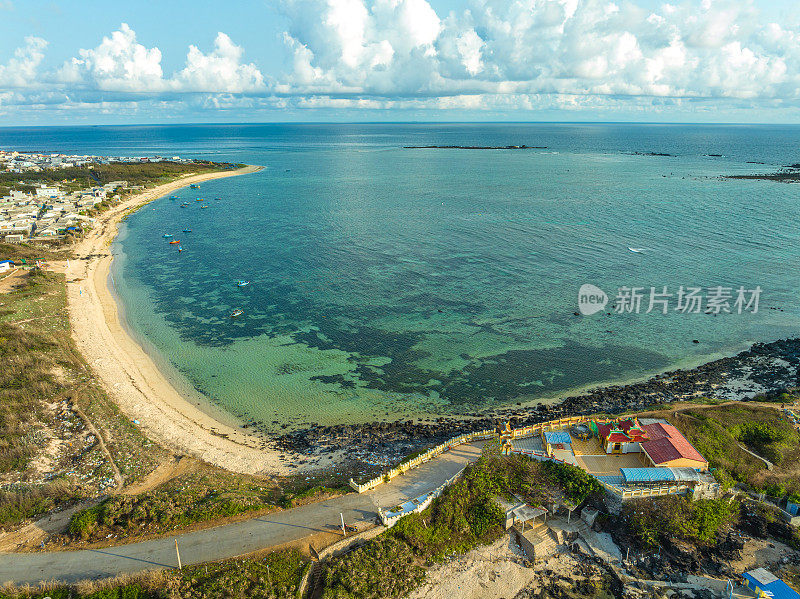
658,430
618,437
671,446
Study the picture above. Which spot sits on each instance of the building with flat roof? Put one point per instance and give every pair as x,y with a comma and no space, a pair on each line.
765,584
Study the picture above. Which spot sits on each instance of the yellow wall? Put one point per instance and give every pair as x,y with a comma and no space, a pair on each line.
686,463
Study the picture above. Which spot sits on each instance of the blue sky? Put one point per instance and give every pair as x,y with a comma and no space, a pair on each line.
95,62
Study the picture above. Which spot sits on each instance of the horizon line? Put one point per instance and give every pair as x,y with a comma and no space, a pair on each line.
409,122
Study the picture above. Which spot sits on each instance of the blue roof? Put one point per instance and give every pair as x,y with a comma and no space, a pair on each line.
557,437
647,475
6,261
779,589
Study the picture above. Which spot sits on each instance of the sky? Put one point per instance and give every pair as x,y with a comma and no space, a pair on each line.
185,61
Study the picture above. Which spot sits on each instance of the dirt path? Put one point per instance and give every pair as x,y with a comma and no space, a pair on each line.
178,466
298,525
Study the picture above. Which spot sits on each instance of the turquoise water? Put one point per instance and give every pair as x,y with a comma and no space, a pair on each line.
393,282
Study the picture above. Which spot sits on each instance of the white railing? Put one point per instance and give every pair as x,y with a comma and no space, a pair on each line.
421,459
416,505
519,433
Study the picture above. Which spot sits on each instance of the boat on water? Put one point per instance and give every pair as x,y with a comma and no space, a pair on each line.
237,312
242,283
194,186
180,249
175,242
199,200
218,199
167,235
173,197
184,205
204,206
187,230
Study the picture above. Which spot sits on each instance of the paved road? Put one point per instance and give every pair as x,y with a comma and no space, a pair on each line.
233,539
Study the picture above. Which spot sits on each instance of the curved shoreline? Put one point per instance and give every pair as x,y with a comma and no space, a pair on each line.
129,374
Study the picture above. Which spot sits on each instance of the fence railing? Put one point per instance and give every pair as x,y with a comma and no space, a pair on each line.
421,459
518,433
390,517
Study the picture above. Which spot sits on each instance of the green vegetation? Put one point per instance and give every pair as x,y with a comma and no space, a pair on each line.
199,497
76,178
654,522
27,501
463,516
205,495
271,576
44,385
720,432
276,575
385,567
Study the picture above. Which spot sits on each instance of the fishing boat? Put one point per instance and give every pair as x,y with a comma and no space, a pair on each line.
194,186
175,242
184,205
204,206
187,230
173,197
180,249
199,200
218,199
237,312
167,235
242,283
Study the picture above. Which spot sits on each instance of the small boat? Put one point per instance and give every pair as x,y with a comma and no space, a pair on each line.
199,200
187,230
173,197
194,186
167,235
242,283
218,199
184,205
204,206
237,312
175,242
180,249
636,250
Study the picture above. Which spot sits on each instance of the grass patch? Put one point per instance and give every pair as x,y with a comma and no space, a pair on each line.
204,496
718,433
77,178
272,576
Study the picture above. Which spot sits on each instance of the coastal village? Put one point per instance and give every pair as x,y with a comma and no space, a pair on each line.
565,515
45,212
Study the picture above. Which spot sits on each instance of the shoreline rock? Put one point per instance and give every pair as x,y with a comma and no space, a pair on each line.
765,369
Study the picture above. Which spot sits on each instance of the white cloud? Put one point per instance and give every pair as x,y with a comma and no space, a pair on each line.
490,55
220,70
710,48
20,70
121,64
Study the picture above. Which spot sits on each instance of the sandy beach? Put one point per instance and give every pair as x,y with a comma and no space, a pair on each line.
131,377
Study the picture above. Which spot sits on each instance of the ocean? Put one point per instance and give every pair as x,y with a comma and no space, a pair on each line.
389,282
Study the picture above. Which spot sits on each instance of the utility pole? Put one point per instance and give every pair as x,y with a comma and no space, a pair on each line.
178,553
344,530
269,578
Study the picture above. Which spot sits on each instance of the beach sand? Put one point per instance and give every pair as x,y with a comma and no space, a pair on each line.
131,377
